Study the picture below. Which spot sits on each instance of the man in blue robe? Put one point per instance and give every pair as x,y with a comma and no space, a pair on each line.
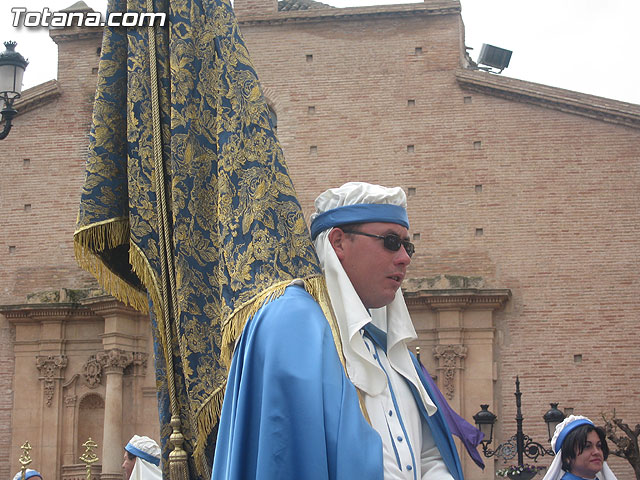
289,410
360,232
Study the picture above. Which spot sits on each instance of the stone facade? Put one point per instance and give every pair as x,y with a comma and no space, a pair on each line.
80,373
55,327
523,202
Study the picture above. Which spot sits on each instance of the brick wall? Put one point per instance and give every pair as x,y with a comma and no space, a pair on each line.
43,170
529,198
6,396
253,7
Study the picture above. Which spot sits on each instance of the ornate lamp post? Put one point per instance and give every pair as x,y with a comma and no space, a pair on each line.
12,66
520,444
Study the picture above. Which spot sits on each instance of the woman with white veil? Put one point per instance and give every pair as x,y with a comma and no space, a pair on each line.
581,451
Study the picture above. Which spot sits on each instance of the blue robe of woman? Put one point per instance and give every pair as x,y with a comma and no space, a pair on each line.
571,476
289,411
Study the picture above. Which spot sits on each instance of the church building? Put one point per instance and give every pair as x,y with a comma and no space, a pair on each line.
523,201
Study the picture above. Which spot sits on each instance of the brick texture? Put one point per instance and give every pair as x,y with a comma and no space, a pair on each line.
558,203
43,166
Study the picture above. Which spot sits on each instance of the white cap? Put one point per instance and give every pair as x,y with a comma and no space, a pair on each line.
353,193
359,202
29,473
145,448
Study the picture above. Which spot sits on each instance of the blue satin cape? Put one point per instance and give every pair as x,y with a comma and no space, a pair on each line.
289,410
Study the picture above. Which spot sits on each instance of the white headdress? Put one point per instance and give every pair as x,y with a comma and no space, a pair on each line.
358,202
147,452
29,472
555,472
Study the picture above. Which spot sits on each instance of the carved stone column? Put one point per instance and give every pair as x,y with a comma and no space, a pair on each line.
69,420
113,363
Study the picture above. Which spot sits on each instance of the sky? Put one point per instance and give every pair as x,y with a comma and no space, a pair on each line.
587,46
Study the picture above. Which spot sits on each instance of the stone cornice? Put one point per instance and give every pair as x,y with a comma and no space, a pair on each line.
442,7
37,96
591,106
26,313
106,304
459,298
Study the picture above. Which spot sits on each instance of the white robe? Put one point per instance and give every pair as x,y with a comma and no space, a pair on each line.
143,470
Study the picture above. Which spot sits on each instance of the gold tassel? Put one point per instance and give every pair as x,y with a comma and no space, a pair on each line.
178,468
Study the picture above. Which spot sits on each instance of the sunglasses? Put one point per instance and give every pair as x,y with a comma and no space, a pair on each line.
391,241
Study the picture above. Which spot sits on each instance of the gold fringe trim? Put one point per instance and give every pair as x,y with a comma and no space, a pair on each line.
96,238
317,288
106,234
209,414
232,328
109,234
142,268
207,418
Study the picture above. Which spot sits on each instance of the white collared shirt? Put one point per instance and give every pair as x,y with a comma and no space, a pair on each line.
409,451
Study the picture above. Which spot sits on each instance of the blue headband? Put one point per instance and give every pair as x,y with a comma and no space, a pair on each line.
33,473
566,430
143,455
360,213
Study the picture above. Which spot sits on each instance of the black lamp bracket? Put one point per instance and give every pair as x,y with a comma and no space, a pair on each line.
509,449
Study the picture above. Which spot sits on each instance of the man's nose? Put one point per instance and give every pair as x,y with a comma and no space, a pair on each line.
402,257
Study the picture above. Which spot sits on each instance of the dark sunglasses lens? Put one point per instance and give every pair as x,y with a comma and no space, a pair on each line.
409,247
394,242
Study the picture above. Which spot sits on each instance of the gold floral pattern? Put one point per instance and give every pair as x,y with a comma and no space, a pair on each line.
237,231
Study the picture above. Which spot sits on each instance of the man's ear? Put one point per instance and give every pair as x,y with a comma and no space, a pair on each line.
337,239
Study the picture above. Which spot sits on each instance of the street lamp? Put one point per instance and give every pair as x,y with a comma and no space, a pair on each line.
520,443
484,421
12,66
553,418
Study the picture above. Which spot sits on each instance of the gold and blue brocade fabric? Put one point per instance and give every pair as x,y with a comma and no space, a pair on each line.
237,233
